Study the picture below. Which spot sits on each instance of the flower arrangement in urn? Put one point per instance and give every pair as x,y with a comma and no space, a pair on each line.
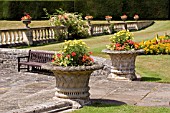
26,19
124,17
122,40
108,18
136,17
73,53
88,17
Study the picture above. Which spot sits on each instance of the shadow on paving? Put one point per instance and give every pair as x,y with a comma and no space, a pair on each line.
150,79
105,103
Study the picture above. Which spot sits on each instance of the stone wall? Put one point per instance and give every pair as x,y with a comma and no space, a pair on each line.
8,57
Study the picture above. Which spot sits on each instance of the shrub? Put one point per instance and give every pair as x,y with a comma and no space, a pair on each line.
77,27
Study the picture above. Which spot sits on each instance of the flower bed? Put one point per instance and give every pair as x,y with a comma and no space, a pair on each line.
157,45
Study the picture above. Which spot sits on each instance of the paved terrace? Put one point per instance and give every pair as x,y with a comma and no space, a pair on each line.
29,92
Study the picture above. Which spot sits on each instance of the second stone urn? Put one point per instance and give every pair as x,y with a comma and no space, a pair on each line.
123,64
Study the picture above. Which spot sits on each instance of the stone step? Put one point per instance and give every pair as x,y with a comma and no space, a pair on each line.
50,107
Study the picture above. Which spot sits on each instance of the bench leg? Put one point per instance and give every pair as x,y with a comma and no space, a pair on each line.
19,67
28,68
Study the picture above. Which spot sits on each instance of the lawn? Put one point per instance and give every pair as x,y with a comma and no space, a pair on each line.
112,108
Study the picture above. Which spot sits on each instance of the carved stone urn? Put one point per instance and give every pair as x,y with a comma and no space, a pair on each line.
26,22
123,64
72,81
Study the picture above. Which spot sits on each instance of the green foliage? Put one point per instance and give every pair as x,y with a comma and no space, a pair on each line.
77,28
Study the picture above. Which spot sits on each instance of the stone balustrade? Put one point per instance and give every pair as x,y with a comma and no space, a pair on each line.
132,25
98,29
30,36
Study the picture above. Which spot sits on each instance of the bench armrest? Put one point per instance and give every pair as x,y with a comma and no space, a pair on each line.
22,57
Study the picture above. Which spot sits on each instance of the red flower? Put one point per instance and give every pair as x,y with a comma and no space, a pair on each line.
52,60
130,42
90,52
73,54
117,45
58,55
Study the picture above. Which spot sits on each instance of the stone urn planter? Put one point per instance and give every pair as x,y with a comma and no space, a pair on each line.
89,18
26,22
123,17
108,18
123,64
72,82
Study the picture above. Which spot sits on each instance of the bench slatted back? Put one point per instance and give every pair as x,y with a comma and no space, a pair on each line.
41,57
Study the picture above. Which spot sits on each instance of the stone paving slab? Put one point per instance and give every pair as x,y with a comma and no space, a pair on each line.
132,93
27,90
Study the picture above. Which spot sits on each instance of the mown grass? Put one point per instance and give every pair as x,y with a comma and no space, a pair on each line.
112,108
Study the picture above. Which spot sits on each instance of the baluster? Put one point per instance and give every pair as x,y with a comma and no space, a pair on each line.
36,34
14,34
20,36
49,33
52,33
7,37
33,35
39,34
11,37
42,34
2,38
45,33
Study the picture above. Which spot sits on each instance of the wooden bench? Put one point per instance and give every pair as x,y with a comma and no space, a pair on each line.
35,59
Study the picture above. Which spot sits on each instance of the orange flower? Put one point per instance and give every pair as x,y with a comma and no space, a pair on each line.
110,17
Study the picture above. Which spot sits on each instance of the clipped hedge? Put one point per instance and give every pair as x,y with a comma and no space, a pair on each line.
146,9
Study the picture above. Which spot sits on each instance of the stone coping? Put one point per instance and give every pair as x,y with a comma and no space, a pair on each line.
50,66
122,52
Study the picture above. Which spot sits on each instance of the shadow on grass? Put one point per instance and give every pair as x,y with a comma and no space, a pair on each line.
150,79
105,103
